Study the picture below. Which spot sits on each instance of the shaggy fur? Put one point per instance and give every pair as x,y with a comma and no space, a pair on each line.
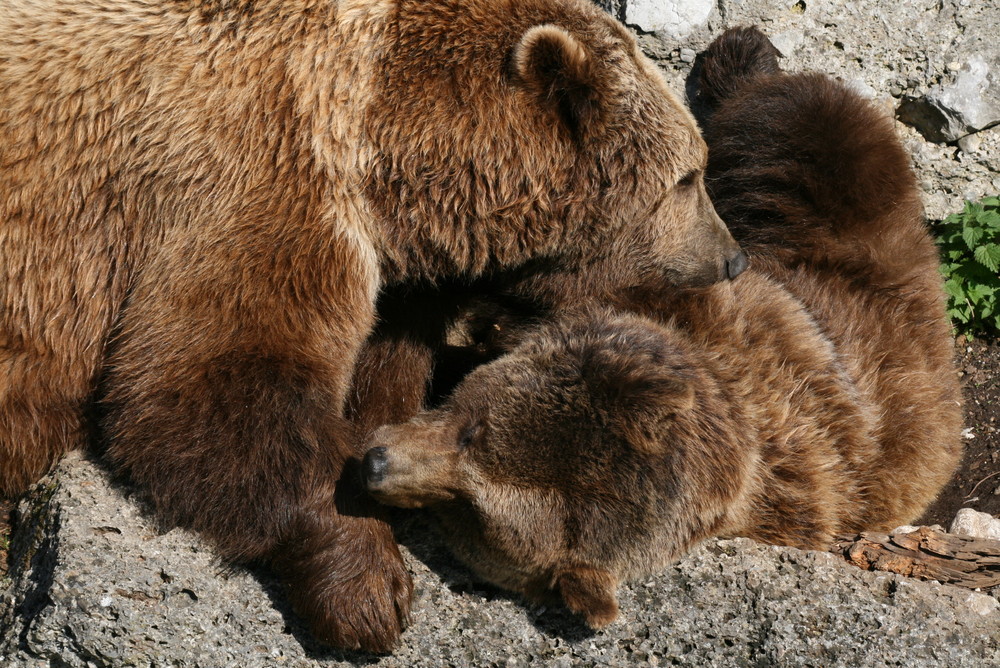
201,200
814,395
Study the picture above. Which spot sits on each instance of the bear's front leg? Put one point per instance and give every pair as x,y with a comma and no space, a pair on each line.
344,570
224,403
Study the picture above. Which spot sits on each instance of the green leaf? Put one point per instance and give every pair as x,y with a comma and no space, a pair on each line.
959,315
989,219
954,288
969,244
988,256
979,293
972,235
974,272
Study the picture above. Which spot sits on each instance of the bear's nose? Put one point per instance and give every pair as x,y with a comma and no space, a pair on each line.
736,265
374,465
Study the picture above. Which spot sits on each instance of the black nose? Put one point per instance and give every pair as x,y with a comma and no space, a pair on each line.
374,465
736,265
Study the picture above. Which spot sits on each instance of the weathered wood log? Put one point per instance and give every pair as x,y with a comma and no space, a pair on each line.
926,554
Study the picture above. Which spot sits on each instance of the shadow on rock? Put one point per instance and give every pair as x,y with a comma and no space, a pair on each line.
417,531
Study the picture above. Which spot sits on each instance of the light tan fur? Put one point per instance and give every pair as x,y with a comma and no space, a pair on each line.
202,200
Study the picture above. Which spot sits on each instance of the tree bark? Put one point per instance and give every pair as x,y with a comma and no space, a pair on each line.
926,554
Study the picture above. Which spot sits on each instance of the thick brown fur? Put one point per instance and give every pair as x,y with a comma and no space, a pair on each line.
201,200
813,395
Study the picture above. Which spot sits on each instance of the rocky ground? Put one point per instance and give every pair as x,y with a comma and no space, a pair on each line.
93,583
5,508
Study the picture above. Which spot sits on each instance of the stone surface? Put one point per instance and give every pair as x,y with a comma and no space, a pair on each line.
673,18
900,53
95,584
969,522
969,103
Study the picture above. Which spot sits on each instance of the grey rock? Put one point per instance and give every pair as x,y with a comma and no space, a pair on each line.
674,18
613,7
970,143
971,102
973,98
94,583
969,522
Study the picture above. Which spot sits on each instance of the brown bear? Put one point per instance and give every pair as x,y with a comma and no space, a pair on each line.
200,202
816,394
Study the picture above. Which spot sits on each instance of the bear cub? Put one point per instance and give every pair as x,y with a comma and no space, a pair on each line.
815,394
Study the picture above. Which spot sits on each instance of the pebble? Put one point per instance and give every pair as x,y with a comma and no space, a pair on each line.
970,143
969,522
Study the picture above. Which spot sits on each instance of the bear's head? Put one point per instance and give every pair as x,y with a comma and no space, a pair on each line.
506,132
593,452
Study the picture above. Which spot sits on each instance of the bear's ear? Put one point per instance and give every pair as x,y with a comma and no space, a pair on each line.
557,68
631,386
589,592
638,381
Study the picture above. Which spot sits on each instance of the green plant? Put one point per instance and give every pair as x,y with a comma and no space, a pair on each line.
970,253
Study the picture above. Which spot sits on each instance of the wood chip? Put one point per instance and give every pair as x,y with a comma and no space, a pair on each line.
927,554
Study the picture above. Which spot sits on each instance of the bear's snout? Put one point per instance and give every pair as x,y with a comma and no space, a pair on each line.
410,465
374,466
736,265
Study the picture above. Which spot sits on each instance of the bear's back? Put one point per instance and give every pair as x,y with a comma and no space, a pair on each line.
814,182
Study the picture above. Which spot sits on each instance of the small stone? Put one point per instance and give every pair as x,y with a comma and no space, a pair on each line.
786,42
982,604
688,55
906,528
969,522
970,143
861,87
676,18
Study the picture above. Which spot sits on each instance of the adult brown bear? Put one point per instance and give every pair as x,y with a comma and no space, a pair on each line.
201,199
816,394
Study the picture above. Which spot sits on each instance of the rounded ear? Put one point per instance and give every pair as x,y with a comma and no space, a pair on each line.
639,379
641,384
589,592
556,66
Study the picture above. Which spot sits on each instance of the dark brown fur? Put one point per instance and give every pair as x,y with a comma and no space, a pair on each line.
826,203
814,395
200,202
